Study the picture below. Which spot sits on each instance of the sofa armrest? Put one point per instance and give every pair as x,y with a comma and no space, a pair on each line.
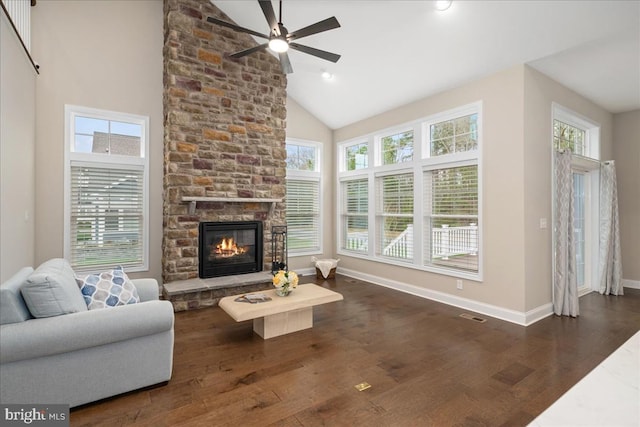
66,333
147,288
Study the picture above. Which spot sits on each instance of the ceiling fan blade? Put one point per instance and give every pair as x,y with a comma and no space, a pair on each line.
285,64
235,27
249,51
333,57
267,9
318,27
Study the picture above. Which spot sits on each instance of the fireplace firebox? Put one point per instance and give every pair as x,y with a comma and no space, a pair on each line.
227,248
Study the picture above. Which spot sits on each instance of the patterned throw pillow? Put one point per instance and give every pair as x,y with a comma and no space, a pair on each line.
108,289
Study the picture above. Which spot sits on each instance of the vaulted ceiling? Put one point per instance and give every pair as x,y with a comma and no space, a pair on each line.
394,51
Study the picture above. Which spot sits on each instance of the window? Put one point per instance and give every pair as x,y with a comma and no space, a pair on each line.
454,136
355,217
357,156
567,137
425,213
303,197
581,137
106,188
397,148
394,216
301,157
451,217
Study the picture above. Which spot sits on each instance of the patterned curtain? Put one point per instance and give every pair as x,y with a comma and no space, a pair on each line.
565,286
610,260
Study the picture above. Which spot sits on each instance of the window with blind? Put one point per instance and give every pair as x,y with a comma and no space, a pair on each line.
394,216
303,198
303,215
106,189
451,217
355,215
426,204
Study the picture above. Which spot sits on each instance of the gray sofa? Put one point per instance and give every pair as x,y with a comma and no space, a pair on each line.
82,356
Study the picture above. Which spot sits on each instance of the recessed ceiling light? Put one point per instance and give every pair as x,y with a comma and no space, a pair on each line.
442,5
327,75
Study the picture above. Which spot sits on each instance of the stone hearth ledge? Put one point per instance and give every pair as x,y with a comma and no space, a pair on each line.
197,293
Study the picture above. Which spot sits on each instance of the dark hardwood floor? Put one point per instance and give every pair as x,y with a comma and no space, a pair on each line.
427,366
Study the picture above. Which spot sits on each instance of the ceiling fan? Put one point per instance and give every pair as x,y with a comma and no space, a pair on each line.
280,40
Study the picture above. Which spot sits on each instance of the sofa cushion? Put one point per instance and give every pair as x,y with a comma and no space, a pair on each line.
51,290
12,306
108,289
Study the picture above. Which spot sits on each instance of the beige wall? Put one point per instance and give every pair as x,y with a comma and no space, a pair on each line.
626,153
516,162
99,54
302,125
540,92
502,97
17,146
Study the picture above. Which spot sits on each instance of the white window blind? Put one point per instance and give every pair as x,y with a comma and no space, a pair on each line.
451,217
303,215
355,220
394,216
107,216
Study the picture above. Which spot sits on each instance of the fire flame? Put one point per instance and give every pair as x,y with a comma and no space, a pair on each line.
228,248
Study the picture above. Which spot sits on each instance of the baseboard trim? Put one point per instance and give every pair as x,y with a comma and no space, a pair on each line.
519,318
633,284
305,271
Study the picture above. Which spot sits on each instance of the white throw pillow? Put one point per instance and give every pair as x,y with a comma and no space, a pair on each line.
51,290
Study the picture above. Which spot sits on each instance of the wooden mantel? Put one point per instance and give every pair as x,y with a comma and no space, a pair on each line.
194,199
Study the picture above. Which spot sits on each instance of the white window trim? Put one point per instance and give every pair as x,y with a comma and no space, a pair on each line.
421,162
70,112
315,175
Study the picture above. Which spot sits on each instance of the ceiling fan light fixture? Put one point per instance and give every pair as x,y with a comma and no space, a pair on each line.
278,45
442,5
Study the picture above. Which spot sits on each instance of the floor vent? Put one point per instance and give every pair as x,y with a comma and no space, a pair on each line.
472,317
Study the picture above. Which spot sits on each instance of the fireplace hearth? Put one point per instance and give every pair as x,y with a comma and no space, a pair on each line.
229,248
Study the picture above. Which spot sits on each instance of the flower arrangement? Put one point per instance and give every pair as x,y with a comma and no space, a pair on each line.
285,282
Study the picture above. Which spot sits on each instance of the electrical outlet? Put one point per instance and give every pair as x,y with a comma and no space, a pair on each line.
459,284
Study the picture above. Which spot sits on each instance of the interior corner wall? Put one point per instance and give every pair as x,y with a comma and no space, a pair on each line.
101,54
626,153
17,145
502,97
540,92
303,125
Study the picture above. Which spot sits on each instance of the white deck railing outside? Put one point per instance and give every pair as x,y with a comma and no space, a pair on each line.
445,242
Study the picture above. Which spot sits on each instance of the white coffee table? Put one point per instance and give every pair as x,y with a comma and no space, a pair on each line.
281,315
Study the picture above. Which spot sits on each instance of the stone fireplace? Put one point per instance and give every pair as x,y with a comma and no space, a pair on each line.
224,135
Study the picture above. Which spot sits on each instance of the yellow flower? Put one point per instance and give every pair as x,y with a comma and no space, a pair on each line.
285,278
293,278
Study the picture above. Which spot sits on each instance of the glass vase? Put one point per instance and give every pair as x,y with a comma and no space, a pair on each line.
283,291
